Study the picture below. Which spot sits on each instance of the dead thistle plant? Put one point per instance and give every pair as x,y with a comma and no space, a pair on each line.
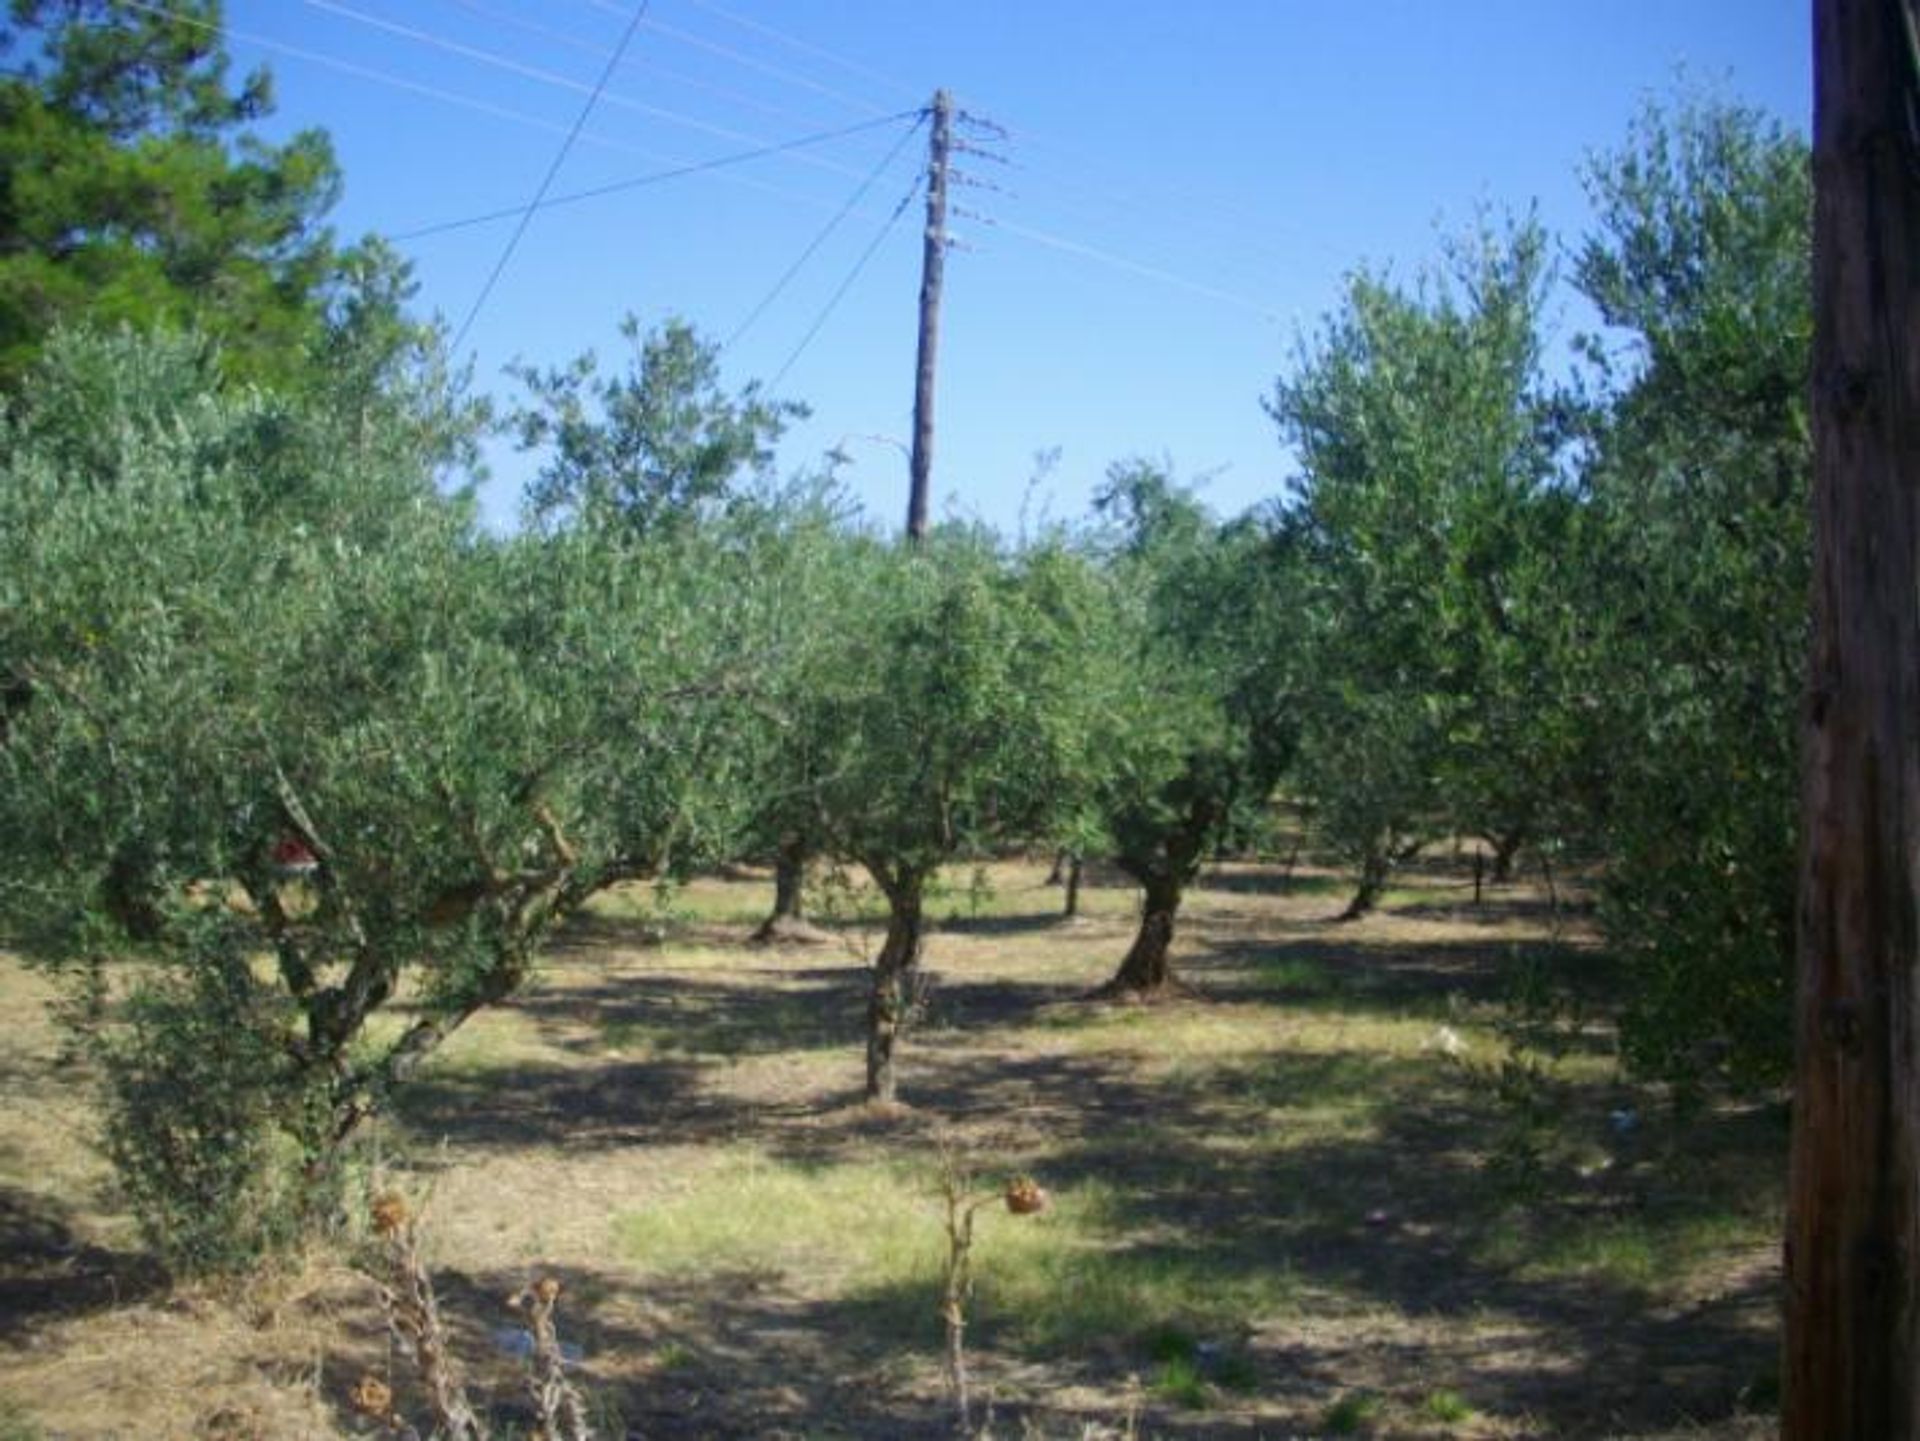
413,1321
556,1400
1022,1196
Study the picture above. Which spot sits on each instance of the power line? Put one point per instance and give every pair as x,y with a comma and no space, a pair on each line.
549,77
1193,208
469,102
847,284
378,77
598,50
1069,246
1047,239
818,240
697,167
792,77
805,46
553,171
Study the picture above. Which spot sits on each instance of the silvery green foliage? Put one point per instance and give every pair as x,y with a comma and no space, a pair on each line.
1424,524
1699,557
230,622
1196,722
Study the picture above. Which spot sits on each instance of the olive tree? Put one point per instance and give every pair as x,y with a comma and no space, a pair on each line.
1697,562
661,444
293,741
1425,449
950,709
1194,724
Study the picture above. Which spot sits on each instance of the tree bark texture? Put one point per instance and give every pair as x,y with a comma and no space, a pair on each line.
1074,868
789,886
1148,967
896,981
789,876
1373,880
1852,1364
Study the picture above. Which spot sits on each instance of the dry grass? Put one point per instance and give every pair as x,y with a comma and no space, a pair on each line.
1266,1201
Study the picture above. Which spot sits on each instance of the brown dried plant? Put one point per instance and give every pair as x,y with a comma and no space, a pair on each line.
556,1400
413,1321
1022,1196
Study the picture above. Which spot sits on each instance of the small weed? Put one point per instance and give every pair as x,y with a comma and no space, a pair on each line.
16,1424
1181,1382
1297,977
1351,1414
1022,1197
672,1356
1449,1408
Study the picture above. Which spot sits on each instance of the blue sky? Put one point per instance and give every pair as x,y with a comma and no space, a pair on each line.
1184,187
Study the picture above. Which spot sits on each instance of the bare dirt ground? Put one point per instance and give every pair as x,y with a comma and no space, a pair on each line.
1319,1199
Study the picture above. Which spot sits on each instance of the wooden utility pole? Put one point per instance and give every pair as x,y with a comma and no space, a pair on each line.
933,264
1852,1364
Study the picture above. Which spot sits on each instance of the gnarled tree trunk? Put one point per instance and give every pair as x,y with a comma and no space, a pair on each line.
1147,970
1373,880
896,979
788,919
1505,848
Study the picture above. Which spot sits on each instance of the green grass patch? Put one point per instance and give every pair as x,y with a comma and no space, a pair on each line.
868,1233
1180,1382
16,1424
751,1023
1646,1252
1449,1408
1297,977
1235,1372
673,1356
1351,1414
853,1223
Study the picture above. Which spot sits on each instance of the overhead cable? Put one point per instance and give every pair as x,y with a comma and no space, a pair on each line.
543,76
598,48
553,171
804,46
696,167
826,230
727,52
365,72
847,284
1152,272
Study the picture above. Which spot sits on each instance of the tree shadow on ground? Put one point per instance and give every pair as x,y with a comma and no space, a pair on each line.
1266,881
1393,1206
1426,978
748,1010
729,1353
651,1073
1279,1203
1388,1205
1006,926
600,1107
48,1272
1498,906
